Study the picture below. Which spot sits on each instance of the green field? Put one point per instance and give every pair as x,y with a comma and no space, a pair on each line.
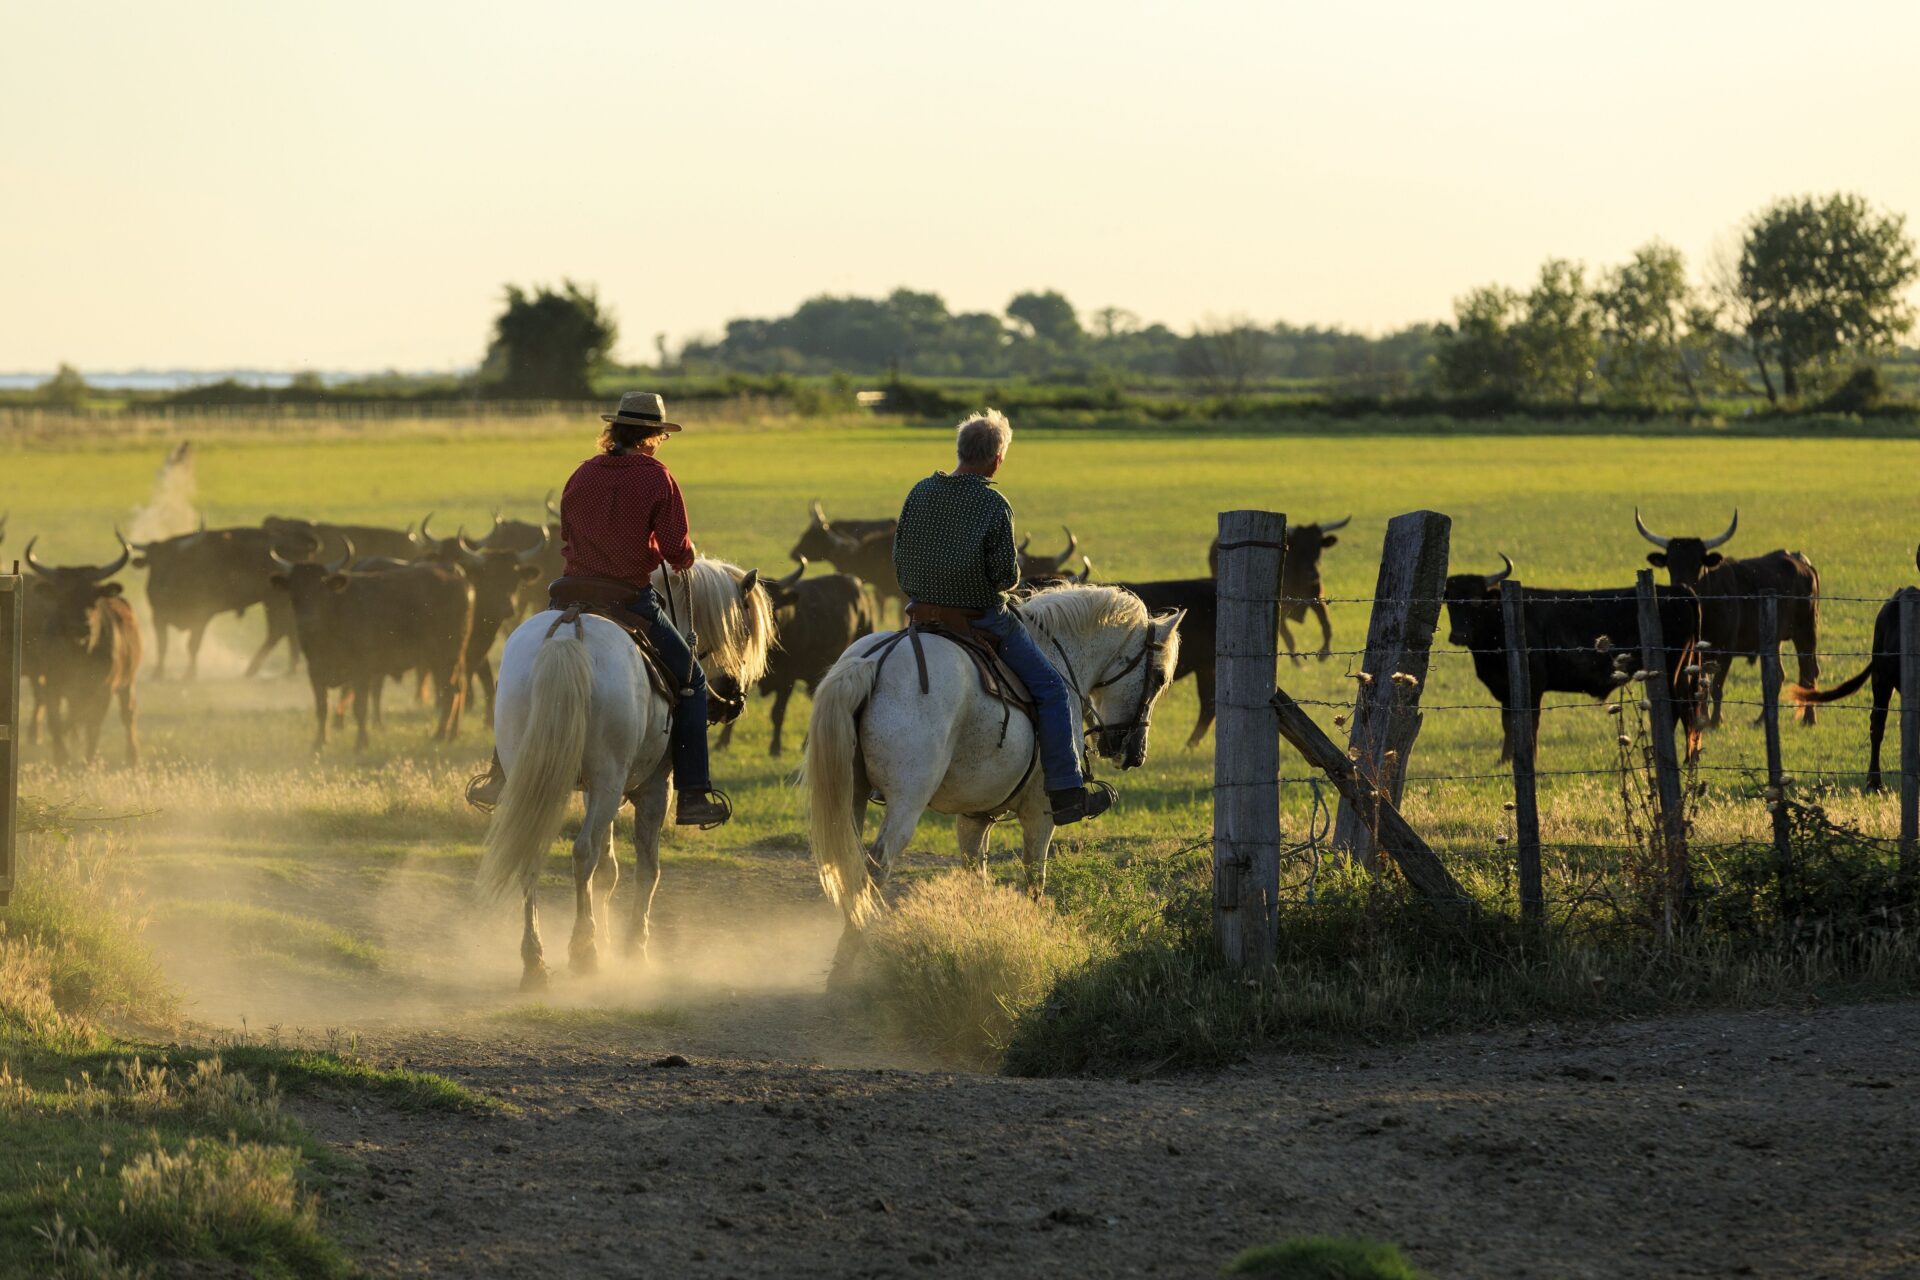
230,806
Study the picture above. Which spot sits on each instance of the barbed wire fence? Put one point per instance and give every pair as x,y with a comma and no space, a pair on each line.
1656,688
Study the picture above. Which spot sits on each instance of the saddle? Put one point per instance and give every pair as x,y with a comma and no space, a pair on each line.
607,598
997,680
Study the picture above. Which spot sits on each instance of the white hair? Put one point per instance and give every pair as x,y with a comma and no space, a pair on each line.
983,437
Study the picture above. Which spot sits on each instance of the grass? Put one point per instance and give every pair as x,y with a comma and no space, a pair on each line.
1324,1258
952,967
351,868
119,1155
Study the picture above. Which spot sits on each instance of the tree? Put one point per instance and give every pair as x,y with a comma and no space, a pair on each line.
548,344
66,389
1479,353
1047,316
1647,314
1821,282
1558,333
1225,355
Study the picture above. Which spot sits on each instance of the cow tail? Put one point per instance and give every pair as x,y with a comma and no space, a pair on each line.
1806,695
545,770
833,745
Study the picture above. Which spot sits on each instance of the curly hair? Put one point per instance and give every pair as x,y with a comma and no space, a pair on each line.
618,437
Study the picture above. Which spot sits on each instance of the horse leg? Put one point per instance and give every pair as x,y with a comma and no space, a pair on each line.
606,878
973,833
533,966
905,803
1036,837
596,832
649,816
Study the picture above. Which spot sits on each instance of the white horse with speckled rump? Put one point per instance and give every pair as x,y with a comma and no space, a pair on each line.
574,709
952,749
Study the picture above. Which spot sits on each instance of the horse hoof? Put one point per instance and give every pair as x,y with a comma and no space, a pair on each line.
585,963
534,979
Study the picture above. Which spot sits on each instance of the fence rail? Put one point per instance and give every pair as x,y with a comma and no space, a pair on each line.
1656,785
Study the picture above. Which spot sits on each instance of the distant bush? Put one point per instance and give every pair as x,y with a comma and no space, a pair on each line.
1864,391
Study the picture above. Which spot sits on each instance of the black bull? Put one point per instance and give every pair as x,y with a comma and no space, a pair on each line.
1730,592
193,578
1573,640
815,621
1883,668
358,629
81,650
1301,590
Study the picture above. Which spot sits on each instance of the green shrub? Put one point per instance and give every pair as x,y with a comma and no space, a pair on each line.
952,966
1324,1258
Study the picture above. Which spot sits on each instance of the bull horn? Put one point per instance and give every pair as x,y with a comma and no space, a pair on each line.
1649,534
532,553
126,554
1341,523
553,512
1496,578
344,560
793,579
1073,545
748,583
1022,548
1711,543
33,564
1086,568
433,543
187,540
1916,557
818,513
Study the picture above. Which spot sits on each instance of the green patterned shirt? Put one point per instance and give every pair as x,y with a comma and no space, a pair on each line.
954,545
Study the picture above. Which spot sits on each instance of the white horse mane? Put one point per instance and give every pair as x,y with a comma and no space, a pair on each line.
1080,609
735,634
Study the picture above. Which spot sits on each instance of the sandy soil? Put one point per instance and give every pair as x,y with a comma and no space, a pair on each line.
1772,1144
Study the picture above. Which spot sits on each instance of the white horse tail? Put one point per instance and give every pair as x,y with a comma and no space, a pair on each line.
545,770
832,741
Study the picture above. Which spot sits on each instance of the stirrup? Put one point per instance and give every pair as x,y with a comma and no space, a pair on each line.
711,796
483,796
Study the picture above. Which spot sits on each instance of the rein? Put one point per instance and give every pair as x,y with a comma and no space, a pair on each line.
1142,715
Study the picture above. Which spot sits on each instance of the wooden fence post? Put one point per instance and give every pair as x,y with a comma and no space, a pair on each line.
12,602
1246,760
1526,804
1386,714
1770,679
1666,764
1909,729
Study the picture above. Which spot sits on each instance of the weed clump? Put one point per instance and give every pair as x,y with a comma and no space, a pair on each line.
958,960
1324,1258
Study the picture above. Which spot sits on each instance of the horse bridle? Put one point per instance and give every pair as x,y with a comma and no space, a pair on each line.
1143,714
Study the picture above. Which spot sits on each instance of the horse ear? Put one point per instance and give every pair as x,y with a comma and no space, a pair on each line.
748,583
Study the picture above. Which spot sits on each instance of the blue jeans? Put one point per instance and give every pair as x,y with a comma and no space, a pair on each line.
1059,735
688,731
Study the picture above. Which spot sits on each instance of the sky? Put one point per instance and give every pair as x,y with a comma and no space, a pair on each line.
349,185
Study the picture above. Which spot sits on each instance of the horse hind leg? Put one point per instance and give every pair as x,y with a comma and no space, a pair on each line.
649,817
533,964
596,834
973,834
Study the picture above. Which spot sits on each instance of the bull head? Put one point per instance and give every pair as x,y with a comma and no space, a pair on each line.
286,566
792,580
91,574
1663,543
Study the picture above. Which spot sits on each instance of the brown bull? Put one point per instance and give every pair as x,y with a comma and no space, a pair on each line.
83,650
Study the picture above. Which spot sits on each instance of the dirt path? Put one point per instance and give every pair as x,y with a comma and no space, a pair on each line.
1780,1143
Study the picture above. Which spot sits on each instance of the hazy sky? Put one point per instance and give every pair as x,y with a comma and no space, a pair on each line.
349,184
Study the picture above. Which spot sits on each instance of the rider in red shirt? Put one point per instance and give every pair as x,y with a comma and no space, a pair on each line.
621,518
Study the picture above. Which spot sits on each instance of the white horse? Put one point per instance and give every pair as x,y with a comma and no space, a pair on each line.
574,710
953,750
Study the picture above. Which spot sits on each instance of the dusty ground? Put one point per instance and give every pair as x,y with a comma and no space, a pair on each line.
1779,1143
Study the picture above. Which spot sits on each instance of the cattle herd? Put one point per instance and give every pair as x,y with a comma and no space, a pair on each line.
365,604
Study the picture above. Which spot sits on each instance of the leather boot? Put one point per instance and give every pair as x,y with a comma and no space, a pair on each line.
483,790
703,809
1076,803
